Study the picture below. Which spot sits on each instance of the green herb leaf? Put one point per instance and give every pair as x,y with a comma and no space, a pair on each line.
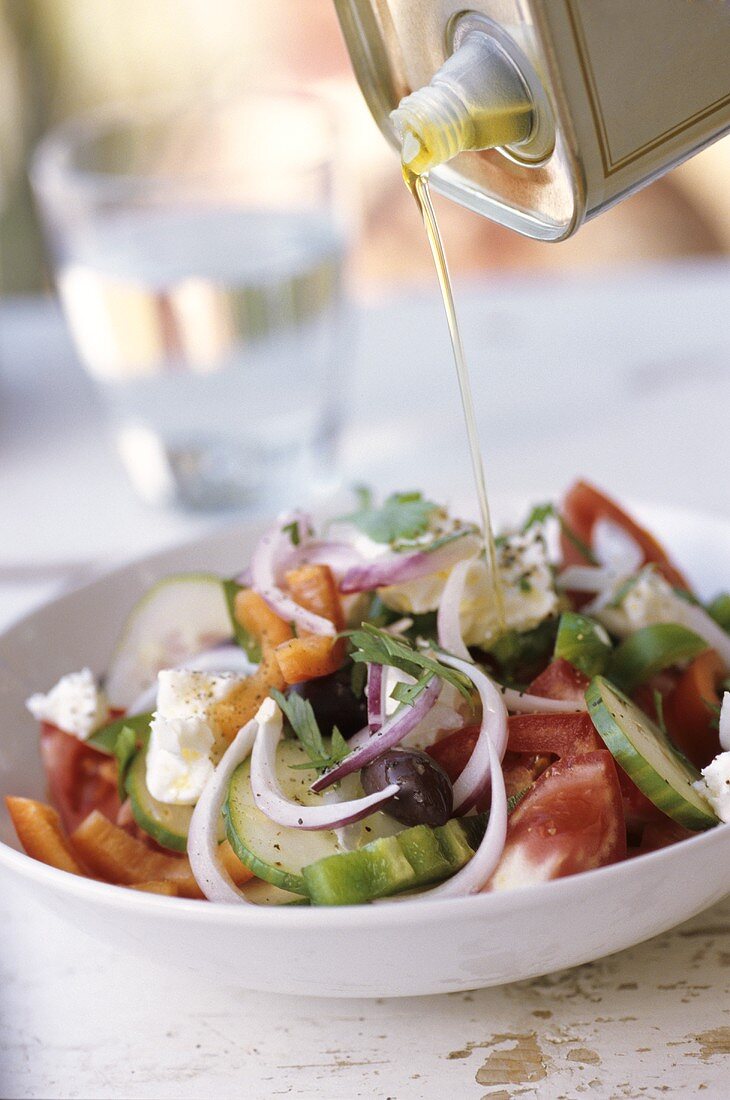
622,592
292,530
541,512
403,517
302,721
374,646
514,800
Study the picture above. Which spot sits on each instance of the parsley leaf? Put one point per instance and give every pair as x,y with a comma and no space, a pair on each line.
402,517
292,530
373,646
301,719
541,512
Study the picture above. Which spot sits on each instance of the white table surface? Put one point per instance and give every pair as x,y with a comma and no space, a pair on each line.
624,380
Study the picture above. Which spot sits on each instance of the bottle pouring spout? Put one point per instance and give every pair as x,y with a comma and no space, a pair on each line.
479,99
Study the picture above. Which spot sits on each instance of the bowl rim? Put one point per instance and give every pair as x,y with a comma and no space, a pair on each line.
388,912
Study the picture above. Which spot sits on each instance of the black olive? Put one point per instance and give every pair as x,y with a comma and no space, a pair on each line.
426,796
334,703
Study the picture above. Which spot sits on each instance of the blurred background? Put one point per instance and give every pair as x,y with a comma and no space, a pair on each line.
60,57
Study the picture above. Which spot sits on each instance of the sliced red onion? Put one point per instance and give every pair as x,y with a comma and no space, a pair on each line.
400,568
209,873
339,556
725,722
267,562
375,701
521,702
586,578
390,734
614,547
696,618
448,618
475,875
475,777
270,799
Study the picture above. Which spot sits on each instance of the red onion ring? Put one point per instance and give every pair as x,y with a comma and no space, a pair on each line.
271,801
266,563
724,726
448,618
474,876
209,873
339,556
391,733
475,777
375,701
400,568
521,702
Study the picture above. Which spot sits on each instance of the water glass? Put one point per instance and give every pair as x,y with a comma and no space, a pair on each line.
198,252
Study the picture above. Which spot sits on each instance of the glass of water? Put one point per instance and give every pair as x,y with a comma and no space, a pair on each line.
199,253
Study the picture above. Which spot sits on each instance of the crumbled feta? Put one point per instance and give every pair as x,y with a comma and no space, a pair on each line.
179,760
528,589
715,785
184,735
648,599
75,705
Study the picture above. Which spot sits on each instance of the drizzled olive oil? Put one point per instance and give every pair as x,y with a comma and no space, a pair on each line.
418,187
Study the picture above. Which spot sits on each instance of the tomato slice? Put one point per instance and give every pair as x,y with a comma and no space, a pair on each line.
560,734
520,769
691,707
584,505
560,680
660,834
453,751
80,779
571,821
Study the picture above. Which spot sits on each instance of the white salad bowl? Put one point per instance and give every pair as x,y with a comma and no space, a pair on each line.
382,950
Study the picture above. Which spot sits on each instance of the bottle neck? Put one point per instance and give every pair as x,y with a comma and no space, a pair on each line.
477,100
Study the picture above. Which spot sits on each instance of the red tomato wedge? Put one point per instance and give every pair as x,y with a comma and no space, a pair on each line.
572,820
80,779
520,769
560,734
691,707
560,680
584,505
660,834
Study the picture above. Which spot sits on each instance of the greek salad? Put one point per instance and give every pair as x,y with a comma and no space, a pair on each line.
356,717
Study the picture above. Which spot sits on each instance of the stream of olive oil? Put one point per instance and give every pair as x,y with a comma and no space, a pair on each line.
418,187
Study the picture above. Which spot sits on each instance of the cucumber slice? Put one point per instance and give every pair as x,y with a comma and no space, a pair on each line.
274,853
263,893
647,756
168,825
650,650
583,642
414,858
176,619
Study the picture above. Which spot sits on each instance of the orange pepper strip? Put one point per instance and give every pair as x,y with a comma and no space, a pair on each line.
169,889
309,657
40,832
314,588
238,871
113,854
240,705
313,655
